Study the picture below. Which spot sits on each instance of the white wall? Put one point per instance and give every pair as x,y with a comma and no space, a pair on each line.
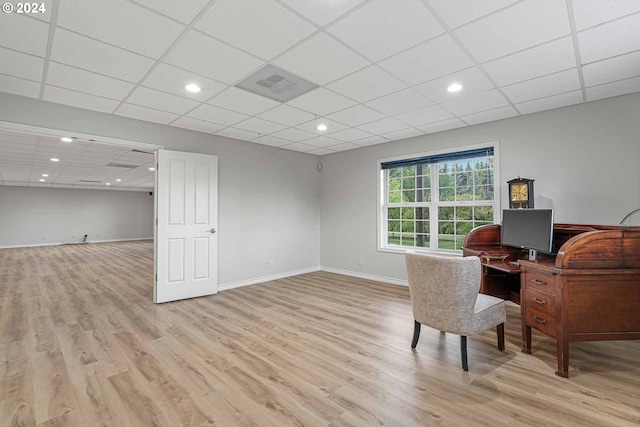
585,160
268,197
33,216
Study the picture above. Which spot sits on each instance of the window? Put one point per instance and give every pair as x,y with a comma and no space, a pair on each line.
432,201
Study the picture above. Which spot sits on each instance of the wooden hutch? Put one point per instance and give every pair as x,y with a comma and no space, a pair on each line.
589,291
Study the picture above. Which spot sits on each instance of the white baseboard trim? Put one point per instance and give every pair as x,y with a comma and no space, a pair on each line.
263,279
120,240
33,245
365,276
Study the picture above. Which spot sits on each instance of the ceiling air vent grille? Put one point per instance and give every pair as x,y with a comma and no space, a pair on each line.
140,151
89,181
120,165
276,84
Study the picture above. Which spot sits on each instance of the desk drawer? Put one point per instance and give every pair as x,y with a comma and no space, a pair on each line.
541,321
540,301
543,282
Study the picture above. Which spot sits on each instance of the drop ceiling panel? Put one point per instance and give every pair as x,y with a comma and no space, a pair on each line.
356,115
518,27
491,115
372,140
401,134
456,13
351,134
26,35
431,114
321,60
589,13
147,114
263,28
564,81
607,40
370,83
271,141
20,65
235,133
211,58
78,99
621,87
293,134
217,115
242,101
391,26
168,78
332,126
197,125
19,86
183,11
322,141
400,102
538,61
92,55
321,102
161,101
551,102
259,126
385,125
428,61
121,23
84,81
299,146
322,12
608,70
286,115
343,147
471,79
442,126
475,103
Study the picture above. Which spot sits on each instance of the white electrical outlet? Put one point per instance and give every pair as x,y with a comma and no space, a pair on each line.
266,263
360,261
272,263
44,237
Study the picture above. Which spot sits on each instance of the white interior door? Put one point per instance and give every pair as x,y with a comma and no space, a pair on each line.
187,218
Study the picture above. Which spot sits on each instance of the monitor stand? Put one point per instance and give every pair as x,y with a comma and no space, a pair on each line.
533,254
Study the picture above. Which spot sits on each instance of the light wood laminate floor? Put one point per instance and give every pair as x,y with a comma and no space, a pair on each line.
81,344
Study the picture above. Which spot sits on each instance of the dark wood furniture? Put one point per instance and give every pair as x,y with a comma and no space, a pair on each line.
589,291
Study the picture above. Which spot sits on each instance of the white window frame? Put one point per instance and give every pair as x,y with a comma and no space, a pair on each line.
433,219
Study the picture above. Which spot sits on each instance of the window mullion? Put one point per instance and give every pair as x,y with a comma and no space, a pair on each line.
433,208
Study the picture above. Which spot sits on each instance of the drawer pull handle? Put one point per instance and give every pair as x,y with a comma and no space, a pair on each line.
538,282
538,301
539,320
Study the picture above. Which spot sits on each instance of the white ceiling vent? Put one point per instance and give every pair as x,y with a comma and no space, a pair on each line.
276,84
120,165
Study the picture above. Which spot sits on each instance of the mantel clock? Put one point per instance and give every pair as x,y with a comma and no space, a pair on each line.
520,193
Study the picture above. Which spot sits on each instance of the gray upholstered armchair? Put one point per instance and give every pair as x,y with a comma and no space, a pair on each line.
444,296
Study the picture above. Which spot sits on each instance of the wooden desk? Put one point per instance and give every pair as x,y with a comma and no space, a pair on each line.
590,291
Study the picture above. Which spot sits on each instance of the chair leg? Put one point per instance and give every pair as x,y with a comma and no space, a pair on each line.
500,333
416,333
463,352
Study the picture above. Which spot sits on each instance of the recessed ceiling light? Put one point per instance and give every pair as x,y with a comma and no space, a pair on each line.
455,87
55,160
42,180
45,175
321,127
66,139
193,88
152,169
118,180
108,183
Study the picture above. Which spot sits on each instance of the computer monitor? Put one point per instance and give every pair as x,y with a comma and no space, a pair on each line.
528,229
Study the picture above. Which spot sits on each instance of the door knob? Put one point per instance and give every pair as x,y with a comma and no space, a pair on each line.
213,230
